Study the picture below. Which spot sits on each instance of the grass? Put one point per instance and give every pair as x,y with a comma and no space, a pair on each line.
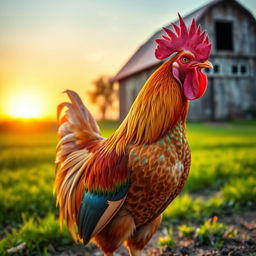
222,179
38,234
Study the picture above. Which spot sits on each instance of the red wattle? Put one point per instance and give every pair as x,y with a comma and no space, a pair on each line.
195,84
203,81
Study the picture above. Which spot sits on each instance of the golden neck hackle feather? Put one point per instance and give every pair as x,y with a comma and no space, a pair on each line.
159,105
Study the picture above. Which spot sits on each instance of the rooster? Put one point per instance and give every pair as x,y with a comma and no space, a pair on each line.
113,191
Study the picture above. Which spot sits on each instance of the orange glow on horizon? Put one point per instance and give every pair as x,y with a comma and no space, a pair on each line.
25,105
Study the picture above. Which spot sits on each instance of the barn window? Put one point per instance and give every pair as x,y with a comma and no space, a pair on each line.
216,68
234,69
243,69
224,36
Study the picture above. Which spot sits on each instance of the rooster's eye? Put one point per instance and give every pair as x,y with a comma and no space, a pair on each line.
185,60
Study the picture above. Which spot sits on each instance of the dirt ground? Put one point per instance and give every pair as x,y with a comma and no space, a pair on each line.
244,244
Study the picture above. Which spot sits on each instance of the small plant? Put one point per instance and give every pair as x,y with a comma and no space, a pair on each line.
231,233
211,232
186,231
167,241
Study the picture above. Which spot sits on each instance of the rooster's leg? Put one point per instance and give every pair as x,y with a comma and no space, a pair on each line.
142,236
115,233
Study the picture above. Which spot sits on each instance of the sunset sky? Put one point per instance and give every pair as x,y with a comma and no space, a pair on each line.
51,45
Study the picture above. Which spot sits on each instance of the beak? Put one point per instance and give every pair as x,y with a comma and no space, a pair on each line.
205,64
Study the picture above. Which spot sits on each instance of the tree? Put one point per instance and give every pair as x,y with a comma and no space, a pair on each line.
103,94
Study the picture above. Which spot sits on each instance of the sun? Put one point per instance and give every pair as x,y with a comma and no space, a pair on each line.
25,105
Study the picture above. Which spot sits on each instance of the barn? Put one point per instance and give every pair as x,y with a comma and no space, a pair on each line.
231,90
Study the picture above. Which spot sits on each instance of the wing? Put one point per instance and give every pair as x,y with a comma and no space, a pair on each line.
106,185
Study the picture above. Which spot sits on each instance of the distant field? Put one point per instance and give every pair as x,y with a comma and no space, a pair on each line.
222,179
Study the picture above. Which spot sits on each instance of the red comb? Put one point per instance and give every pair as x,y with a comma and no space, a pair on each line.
191,39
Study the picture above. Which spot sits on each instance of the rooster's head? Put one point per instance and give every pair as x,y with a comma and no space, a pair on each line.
192,49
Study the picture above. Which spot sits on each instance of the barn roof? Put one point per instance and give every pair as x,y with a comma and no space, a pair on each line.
144,57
